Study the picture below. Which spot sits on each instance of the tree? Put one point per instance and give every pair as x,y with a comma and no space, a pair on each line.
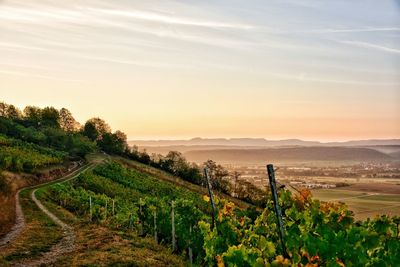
13,112
33,115
90,131
95,128
218,176
113,143
174,162
67,121
3,109
121,141
236,175
79,145
50,117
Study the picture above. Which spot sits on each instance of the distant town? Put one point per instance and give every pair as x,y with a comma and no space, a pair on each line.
311,176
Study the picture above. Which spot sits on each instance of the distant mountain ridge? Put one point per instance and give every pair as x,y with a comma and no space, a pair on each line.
261,142
297,154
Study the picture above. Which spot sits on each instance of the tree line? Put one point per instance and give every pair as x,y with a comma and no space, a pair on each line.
58,129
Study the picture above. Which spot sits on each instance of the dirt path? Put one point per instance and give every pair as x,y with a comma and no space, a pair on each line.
19,215
66,244
63,247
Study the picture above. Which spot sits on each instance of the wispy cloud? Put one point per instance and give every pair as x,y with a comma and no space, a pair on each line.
373,46
83,14
352,30
26,74
16,46
303,77
176,19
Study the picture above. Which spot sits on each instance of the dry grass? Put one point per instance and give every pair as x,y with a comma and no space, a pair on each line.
7,199
98,245
39,235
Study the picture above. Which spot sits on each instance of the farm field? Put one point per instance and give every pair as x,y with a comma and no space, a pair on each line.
363,204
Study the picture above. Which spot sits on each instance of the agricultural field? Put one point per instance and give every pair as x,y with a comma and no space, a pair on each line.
363,204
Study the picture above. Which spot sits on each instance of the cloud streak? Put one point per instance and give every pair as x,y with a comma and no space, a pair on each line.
85,15
352,30
373,46
25,74
156,17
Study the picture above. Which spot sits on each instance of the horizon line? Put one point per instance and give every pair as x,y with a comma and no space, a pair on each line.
263,138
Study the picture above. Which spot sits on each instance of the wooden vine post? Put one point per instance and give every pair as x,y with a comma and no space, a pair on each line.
105,211
210,192
155,226
141,230
277,208
190,247
173,225
113,207
90,208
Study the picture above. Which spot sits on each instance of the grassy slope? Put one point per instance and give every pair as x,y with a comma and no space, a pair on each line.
164,176
96,245
17,180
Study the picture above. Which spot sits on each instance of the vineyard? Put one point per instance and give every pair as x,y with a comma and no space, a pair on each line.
316,233
17,155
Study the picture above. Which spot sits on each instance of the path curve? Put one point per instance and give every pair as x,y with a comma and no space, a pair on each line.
19,215
66,244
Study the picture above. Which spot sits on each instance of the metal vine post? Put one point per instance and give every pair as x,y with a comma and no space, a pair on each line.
277,208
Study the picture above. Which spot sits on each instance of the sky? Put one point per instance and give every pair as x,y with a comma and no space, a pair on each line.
308,69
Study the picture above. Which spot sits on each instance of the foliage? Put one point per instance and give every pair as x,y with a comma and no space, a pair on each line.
136,197
113,143
95,128
317,234
73,143
50,117
218,176
19,156
67,121
175,163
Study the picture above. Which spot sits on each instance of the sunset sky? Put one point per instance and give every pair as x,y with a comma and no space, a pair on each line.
320,70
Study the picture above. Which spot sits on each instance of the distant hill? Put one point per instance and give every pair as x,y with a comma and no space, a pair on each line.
260,142
288,154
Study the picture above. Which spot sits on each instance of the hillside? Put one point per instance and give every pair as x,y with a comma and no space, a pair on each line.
288,154
44,242
165,176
